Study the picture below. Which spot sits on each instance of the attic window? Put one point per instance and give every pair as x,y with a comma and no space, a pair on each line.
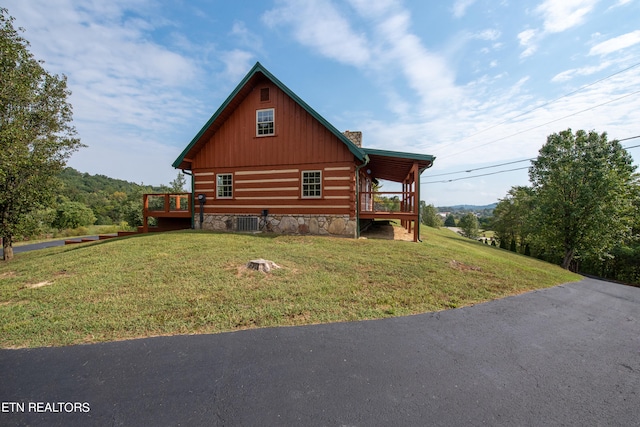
265,122
264,94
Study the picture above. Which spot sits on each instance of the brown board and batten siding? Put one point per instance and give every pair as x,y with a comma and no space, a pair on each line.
299,138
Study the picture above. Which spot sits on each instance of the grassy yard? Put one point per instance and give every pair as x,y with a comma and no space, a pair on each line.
194,282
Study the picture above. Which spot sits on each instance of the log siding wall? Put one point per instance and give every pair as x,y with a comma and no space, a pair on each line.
280,191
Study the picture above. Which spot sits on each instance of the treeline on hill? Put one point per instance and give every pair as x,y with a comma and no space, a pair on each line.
84,200
582,210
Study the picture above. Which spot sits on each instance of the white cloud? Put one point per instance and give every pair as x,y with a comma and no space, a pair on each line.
460,7
489,34
237,62
388,46
560,15
246,37
127,90
318,24
583,71
527,40
617,43
620,3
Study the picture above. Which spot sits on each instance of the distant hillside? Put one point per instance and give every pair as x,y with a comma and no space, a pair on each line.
78,184
111,200
466,207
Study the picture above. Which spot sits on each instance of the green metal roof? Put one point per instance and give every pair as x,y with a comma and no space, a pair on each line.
401,154
395,165
258,68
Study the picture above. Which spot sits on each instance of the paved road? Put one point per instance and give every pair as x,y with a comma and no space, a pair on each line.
568,355
43,245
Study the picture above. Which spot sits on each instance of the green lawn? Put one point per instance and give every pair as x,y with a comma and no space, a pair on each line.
194,282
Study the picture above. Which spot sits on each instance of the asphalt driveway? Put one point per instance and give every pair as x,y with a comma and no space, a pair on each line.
569,355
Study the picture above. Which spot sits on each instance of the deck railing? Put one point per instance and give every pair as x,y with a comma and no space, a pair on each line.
387,201
167,204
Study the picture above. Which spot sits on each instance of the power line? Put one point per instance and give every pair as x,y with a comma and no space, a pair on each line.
503,164
544,105
474,176
485,167
544,124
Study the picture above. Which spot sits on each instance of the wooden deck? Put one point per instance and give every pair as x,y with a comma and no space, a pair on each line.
172,211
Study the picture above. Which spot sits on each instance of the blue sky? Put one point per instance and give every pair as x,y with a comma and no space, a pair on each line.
473,82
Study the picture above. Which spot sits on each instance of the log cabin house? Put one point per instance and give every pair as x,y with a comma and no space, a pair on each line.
267,161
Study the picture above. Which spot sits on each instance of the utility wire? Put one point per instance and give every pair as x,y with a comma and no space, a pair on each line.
544,124
485,167
502,164
474,176
543,105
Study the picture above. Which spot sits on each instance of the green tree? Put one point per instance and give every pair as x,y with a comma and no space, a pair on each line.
469,226
178,184
36,135
429,215
583,187
450,221
511,217
73,215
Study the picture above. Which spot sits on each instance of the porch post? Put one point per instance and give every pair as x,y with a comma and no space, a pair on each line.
145,211
415,172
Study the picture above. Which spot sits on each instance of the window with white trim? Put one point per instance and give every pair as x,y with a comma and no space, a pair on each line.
311,184
224,186
265,122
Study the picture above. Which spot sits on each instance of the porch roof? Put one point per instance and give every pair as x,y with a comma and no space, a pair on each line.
395,165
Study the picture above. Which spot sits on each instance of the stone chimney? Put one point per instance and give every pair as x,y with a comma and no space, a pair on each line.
355,137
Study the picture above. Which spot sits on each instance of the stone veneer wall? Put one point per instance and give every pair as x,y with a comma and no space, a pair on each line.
341,225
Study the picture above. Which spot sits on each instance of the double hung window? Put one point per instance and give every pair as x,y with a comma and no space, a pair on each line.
224,186
265,122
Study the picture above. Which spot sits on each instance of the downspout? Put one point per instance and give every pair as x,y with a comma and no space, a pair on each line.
193,200
366,162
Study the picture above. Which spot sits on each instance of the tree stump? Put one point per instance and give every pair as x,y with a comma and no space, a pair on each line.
262,265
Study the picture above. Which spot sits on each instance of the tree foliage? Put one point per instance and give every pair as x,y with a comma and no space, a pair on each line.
73,215
178,184
429,215
583,185
36,135
469,226
450,221
511,220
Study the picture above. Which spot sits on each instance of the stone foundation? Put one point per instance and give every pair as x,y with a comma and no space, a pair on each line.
341,225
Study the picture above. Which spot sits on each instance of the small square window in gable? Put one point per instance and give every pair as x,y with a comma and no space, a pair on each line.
264,94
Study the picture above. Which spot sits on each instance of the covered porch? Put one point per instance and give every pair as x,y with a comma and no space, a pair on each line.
403,205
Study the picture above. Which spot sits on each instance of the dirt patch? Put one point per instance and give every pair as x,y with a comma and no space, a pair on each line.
387,232
8,274
462,266
38,285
